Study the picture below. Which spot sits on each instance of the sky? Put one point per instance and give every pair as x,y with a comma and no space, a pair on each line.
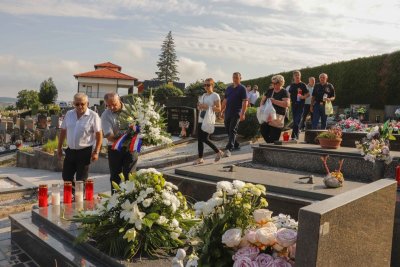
213,38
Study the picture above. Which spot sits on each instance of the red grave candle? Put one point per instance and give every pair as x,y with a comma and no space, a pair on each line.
67,192
43,195
89,189
398,175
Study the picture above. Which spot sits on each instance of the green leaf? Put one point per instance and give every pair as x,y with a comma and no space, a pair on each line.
149,223
392,137
121,175
152,216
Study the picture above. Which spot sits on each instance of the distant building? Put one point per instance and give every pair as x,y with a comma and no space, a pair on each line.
106,77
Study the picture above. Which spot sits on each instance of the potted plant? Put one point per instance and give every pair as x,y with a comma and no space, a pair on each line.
330,139
361,113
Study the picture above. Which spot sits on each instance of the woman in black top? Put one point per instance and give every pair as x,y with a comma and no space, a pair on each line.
281,101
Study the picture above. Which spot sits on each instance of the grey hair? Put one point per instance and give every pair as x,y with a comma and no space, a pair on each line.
81,96
110,95
323,74
279,78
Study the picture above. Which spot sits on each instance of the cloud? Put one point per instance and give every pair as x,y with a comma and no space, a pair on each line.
191,70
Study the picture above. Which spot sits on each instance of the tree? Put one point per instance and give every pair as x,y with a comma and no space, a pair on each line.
27,98
167,62
48,92
197,89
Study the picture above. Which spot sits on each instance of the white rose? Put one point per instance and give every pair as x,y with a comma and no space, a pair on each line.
162,220
266,235
174,223
232,237
180,254
262,216
147,202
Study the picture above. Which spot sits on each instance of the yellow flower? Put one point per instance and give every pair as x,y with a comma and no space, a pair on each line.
130,234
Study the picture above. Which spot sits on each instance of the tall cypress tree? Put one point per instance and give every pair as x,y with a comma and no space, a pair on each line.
167,62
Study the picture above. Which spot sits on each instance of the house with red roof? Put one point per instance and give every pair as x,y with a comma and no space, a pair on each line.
106,77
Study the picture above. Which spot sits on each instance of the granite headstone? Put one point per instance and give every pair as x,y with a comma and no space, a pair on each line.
178,116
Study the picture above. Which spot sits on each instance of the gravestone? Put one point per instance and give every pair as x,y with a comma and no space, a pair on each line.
351,229
390,110
10,125
54,121
354,111
21,124
178,116
3,126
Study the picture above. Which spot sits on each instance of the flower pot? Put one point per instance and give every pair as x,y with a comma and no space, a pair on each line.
378,170
330,143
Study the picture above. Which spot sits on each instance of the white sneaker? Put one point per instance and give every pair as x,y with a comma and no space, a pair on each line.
228,153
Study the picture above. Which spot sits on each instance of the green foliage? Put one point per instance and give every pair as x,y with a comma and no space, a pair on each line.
48,92
54,109
374,80
27,98
167,62
50,146
258,101
165,91
250,127
196,89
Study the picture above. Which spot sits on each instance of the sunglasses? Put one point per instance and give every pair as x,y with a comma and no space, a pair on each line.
80,104
207,85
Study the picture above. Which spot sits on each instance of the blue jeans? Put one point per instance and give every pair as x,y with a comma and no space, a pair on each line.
231,127
319,112
297,112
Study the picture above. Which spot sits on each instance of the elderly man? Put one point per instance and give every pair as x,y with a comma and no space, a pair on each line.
307,103
323,92
118,161
234,108
254,95
82,128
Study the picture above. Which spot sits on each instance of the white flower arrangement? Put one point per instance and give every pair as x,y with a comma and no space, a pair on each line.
397,113
145,215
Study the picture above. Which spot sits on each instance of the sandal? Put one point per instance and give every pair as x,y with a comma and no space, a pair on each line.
198,161
219,155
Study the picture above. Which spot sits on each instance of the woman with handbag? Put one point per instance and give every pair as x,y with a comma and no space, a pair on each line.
209,101
271,129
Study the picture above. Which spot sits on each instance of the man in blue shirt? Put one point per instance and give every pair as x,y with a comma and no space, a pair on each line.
298,93
234,108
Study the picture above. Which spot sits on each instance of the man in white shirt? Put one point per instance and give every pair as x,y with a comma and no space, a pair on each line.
306,111
254,95
82,128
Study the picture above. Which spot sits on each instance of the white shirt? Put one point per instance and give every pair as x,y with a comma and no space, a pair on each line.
209,100
254,96
81,133
308,99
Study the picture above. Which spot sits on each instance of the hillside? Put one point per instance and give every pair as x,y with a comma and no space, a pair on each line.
7,100
370,80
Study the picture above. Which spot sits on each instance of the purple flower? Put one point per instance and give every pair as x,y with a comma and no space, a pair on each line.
265,260
281,262
244,262
248,252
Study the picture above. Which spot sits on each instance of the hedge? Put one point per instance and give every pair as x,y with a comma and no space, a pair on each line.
370,80
250,128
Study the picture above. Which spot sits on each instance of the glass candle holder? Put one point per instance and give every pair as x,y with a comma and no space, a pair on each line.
67,192
89,189
43,195
55,194
79,191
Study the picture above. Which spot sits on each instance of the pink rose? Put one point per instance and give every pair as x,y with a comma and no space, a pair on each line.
232,237
281,262
266,235
244,262
248,252
286,237
265,260
251,236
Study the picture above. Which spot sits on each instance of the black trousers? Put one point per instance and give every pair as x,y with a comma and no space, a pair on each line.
77,162
203,137
231,126
120,162
269,133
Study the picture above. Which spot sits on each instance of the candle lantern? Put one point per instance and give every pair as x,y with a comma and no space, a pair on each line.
55,194
43,195
67,192
79,191
89,189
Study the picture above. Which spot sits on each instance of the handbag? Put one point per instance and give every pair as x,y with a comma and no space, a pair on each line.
328,108
277,120
203,112
208,124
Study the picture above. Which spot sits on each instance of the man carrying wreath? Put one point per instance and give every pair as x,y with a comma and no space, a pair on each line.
121,159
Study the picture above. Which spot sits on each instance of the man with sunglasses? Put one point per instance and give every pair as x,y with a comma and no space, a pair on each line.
82,129
234,108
